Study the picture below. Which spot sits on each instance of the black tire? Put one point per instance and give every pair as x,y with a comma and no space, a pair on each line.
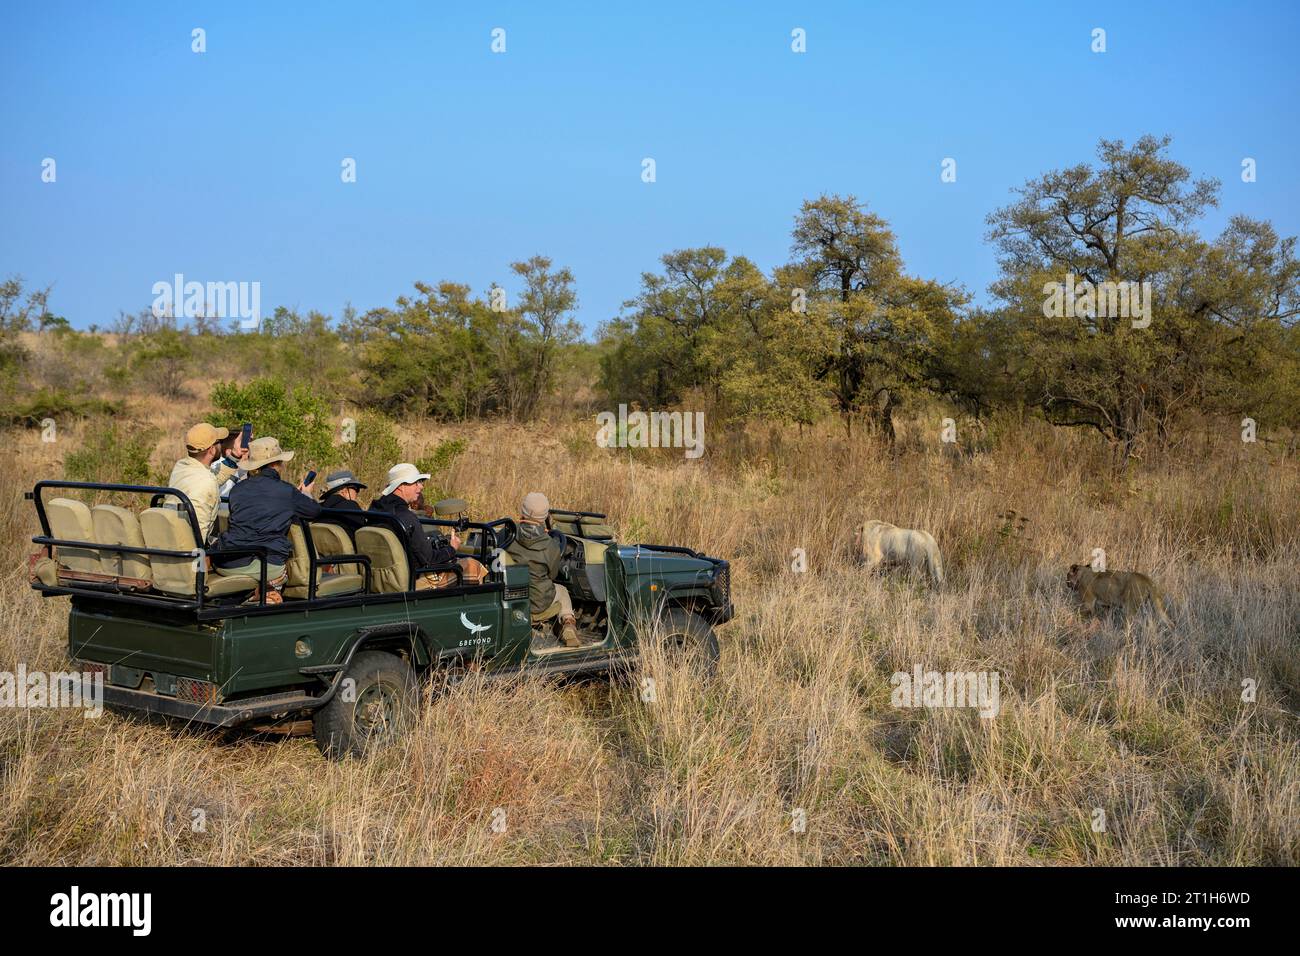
687,634
377,708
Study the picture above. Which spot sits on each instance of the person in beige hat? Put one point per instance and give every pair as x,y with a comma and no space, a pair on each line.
262,507
193,474
404,488
534,546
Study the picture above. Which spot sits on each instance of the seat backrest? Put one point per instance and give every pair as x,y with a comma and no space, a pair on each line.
594,528
114,525
299,566
168,529
565,525
389,566
330,539
70,519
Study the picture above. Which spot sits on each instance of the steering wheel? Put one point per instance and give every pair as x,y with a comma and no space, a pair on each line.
504,535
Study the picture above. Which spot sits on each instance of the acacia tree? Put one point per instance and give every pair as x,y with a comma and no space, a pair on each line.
429,354
545,327
659,351
765,351
889,330
1129,220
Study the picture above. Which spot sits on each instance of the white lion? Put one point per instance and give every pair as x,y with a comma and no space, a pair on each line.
879,542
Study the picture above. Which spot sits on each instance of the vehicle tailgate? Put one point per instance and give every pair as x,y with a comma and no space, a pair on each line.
144,643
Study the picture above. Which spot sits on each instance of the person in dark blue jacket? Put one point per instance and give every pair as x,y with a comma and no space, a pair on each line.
405,482
262,507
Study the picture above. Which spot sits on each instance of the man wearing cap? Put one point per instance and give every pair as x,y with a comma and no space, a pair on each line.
262,507
193,474
405,485
534,546
340,494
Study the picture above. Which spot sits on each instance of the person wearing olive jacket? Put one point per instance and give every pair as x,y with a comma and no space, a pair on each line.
534,546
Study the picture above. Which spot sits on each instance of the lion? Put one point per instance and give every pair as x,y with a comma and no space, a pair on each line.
879,542
1127,590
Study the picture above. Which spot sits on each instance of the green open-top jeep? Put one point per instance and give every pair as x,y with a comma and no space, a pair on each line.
352,639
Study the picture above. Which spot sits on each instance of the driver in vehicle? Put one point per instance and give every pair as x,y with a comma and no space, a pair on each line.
535,547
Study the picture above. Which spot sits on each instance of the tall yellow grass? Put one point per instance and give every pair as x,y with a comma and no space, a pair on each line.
1144,724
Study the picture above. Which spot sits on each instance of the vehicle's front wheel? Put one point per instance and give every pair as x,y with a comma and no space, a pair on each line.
689,639
375,704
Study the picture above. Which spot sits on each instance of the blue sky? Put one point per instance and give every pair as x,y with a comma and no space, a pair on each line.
226,165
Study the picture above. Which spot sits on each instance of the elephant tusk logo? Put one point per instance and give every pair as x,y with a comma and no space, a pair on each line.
471,626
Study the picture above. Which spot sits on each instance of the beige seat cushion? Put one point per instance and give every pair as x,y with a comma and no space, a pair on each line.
334,585
564,525
299,566
114,525
594,528
167,529
389,567
70,519
219,585
330,539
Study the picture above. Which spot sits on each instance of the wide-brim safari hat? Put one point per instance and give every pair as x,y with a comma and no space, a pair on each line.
263,452
403,474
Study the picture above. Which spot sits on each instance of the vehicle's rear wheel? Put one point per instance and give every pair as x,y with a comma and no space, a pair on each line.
375,704
689,639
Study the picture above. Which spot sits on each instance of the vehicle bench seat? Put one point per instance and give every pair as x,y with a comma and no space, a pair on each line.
389,567
299,567
167,529
70,520
116,525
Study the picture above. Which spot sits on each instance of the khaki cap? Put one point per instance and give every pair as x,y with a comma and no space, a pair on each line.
203,436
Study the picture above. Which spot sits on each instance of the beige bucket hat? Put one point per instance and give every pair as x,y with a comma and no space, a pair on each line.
264,451
403,474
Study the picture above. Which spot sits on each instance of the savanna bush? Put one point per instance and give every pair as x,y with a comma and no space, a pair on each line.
298,418
113,453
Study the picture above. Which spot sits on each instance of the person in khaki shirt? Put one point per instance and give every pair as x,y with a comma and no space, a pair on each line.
194,476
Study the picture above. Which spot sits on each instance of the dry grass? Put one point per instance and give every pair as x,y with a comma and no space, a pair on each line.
1147,725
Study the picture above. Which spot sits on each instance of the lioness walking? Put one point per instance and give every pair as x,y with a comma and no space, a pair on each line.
1128,590
879,542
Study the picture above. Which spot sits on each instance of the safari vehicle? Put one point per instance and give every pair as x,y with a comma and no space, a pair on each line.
352,640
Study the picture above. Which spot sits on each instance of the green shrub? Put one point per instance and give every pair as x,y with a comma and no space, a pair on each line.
113,453
163,360
58,405
299,419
